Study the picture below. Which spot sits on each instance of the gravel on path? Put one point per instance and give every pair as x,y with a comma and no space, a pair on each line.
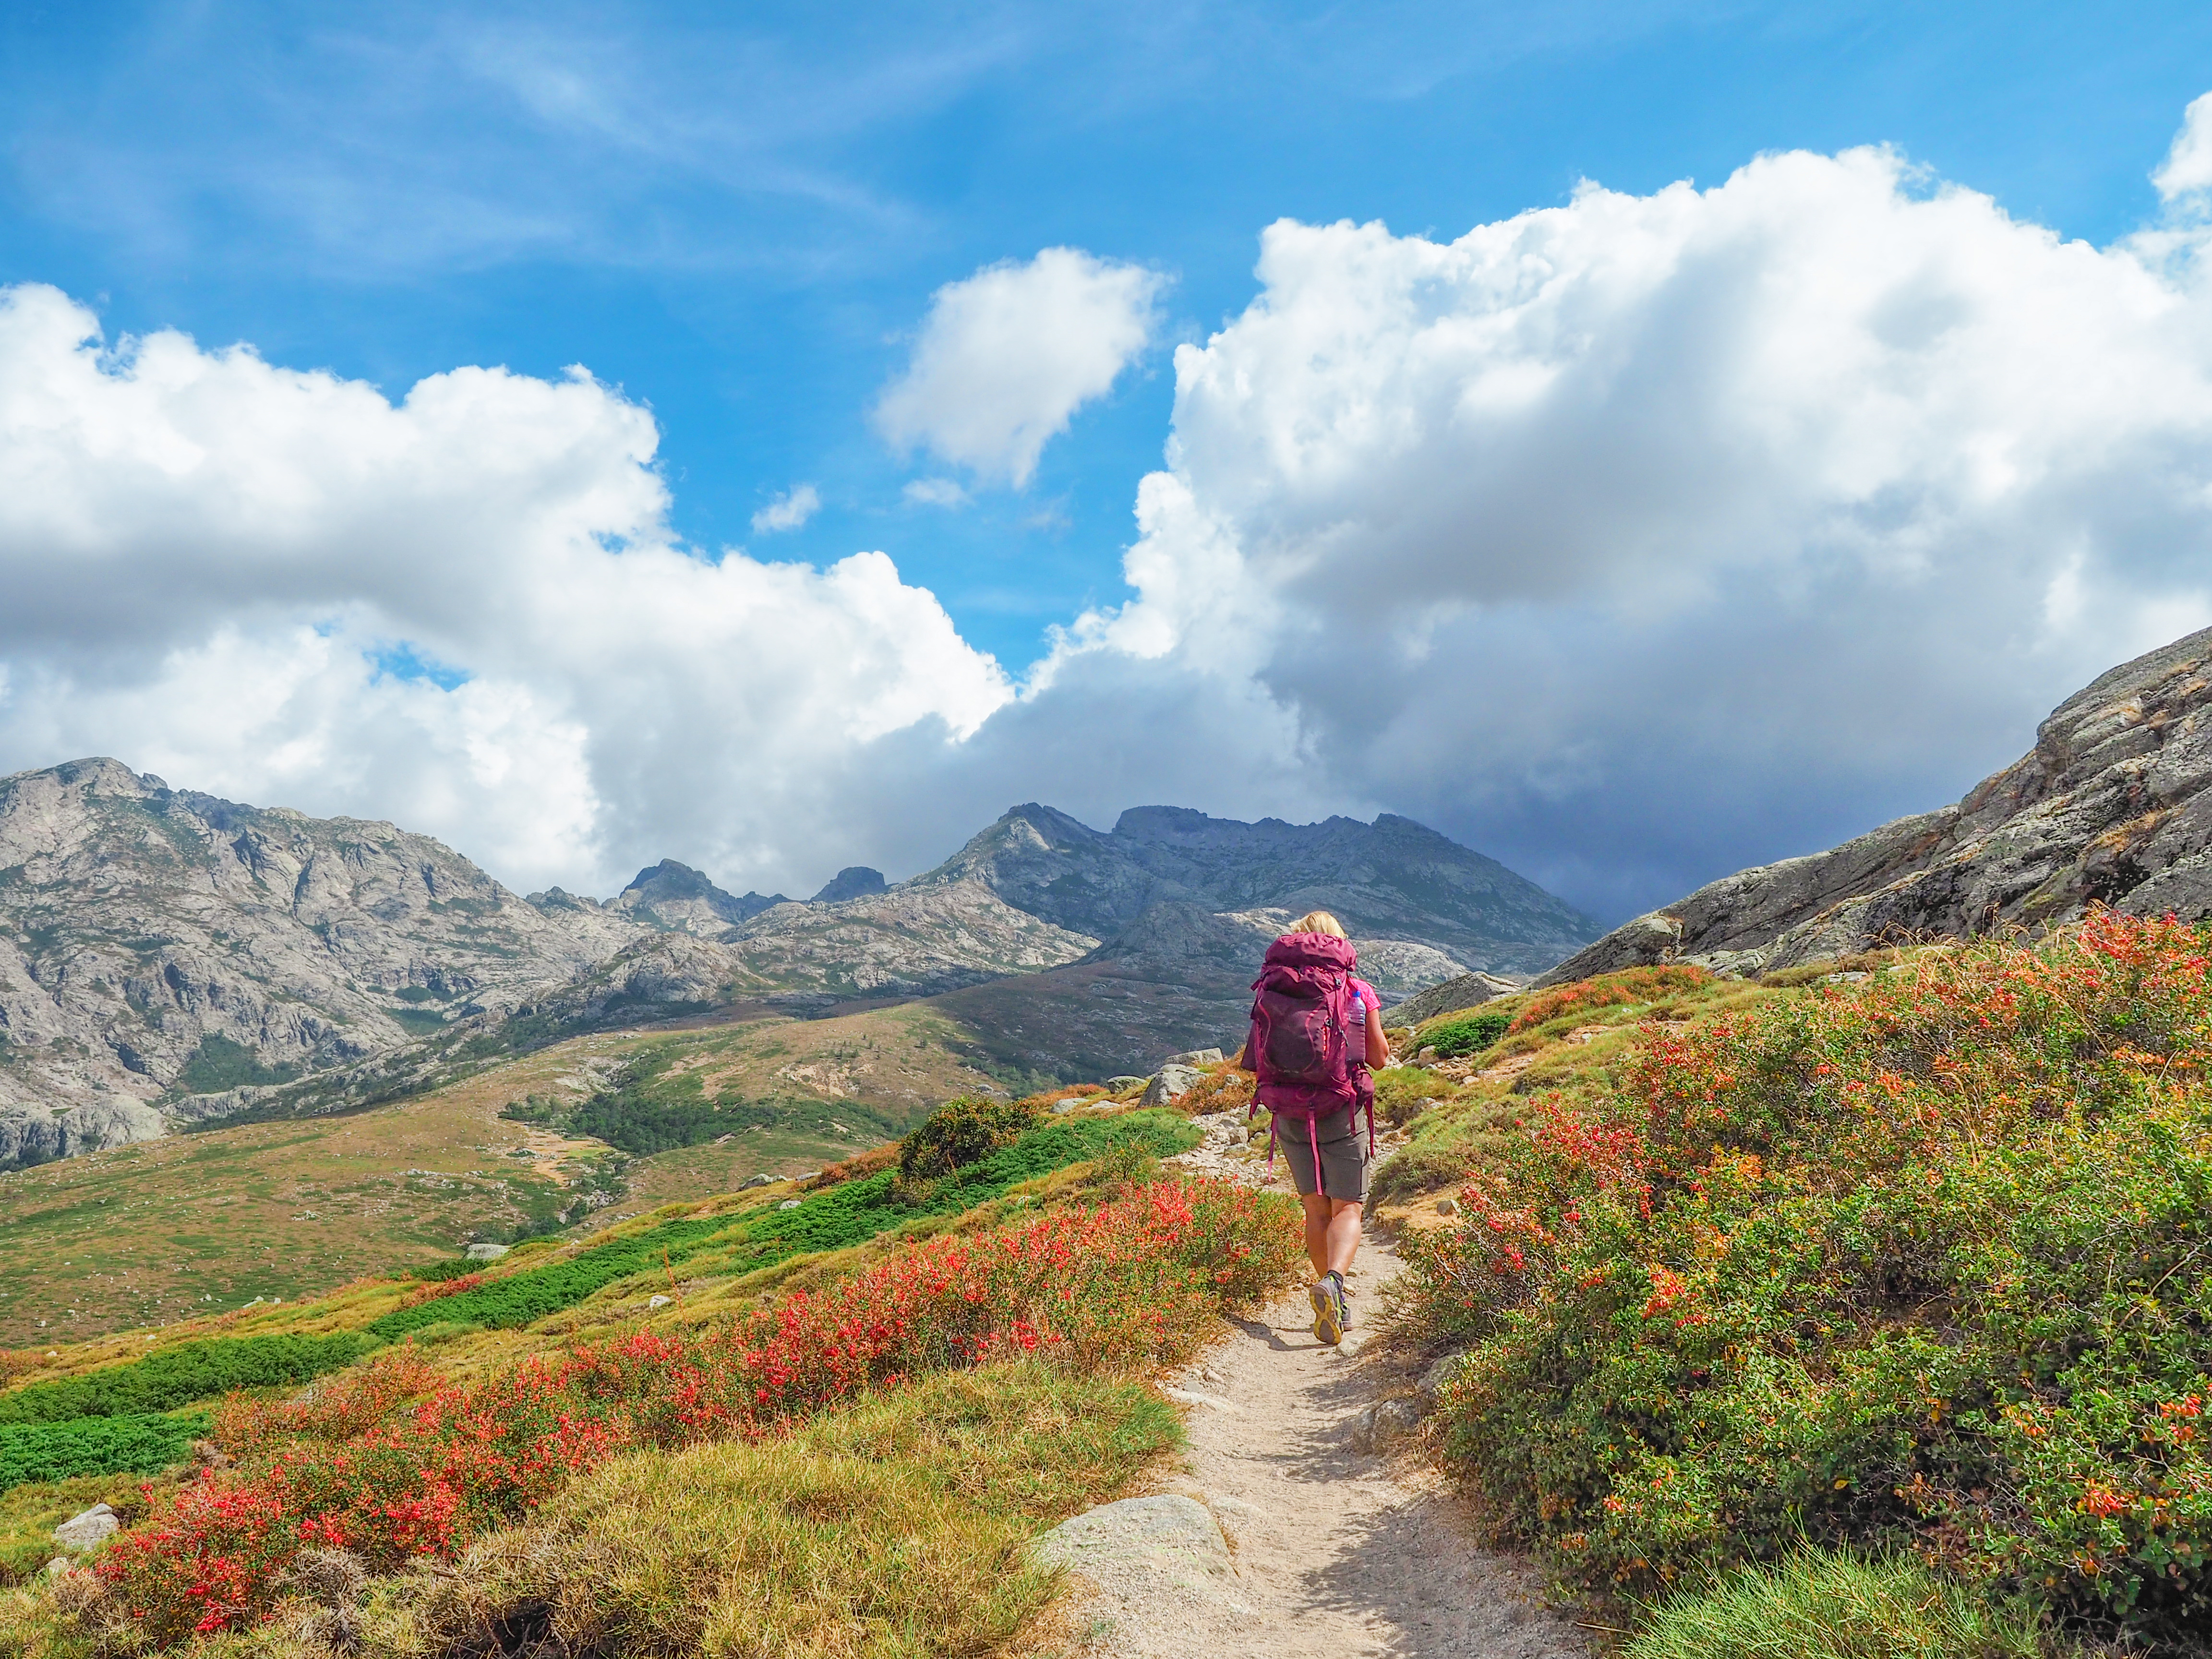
1330,1552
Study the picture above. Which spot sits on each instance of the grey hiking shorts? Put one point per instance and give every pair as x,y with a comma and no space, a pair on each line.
1343,1138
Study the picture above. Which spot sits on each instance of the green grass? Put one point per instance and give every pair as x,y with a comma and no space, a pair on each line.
1821,1604
830,1220
94,1445
181,1376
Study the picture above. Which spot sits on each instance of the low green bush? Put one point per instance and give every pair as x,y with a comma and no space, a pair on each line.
961,1132
180,1375
95,1445
1822,1604
1468,1035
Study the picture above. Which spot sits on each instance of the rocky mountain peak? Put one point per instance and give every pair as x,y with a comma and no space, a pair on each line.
853,881
676,898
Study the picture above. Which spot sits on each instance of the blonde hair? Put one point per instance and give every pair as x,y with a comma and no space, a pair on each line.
1317,921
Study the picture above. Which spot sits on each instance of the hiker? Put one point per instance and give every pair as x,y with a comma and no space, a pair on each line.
1316,1035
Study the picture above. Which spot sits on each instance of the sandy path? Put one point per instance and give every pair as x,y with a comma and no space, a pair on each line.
1335,1553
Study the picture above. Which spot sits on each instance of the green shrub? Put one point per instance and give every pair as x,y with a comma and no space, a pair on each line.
961,1132
178,1376
95,1445
1923,1263
1819,1604
1468,1035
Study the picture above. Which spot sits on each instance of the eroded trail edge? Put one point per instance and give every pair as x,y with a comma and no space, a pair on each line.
1331,1547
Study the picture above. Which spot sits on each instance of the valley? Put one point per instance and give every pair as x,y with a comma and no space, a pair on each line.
592,1129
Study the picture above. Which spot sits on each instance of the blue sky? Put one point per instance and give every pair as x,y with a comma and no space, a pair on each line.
736,219
738,213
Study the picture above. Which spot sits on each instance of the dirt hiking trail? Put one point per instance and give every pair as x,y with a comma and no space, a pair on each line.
1330,1550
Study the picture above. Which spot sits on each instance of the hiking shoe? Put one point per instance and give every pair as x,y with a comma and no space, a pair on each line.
1327,1298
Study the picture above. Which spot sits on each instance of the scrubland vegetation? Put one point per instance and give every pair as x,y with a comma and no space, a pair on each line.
857,1405
1847,1290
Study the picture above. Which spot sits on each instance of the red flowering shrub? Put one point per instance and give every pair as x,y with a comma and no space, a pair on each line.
1132,1282
1924,1262
1607,991
433,1292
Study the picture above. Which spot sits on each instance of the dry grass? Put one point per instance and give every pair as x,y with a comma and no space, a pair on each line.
895,1530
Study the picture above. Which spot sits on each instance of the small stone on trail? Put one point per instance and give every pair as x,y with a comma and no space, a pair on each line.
1447,1206
81,1531
659,1301
1192,1397
1383,1422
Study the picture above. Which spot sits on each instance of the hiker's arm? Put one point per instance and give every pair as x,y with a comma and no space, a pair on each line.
1378,1045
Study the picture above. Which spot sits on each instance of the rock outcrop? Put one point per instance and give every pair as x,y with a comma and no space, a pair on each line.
1467,991
2110,807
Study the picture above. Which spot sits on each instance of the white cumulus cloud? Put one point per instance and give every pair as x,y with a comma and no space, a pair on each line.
1643,536
1005,357
2188,166
789,510
223,571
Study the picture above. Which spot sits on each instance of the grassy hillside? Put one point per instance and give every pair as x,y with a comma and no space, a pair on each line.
167,1229
937,1351
1878,1284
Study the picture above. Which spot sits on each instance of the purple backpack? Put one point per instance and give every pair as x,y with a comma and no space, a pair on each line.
1302,1048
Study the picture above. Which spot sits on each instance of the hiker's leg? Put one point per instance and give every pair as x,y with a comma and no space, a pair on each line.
1341,1231
1319,1219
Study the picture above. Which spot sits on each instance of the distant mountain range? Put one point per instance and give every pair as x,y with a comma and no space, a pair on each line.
167,956
2113,806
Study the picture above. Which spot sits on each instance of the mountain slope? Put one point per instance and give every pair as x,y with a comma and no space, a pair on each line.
2110,807
1392,879
155,943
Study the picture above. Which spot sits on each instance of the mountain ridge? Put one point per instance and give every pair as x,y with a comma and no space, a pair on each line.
2110,807
169,958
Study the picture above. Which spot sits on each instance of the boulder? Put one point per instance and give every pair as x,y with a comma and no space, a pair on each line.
83,1530
1116,1084
789,1204
1168,1535
485,1252
751,1181
1171,1084
1196,1057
